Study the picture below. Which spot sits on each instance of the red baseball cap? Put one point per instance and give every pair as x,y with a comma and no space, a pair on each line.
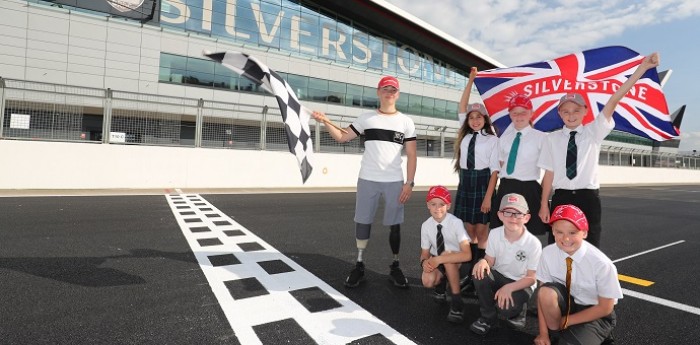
439,192
520,100
572,214
388,81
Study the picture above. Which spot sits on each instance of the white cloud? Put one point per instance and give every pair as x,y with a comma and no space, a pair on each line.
522,31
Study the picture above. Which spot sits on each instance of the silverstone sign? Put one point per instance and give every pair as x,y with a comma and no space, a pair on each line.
135,9
290,27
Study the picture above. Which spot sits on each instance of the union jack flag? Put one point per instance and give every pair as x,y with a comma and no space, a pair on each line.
596,74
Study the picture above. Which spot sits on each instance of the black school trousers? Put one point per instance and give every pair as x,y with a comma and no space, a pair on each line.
588,200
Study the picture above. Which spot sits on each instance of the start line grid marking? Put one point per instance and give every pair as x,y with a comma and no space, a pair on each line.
267,297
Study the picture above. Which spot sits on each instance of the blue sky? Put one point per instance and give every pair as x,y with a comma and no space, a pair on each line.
516,32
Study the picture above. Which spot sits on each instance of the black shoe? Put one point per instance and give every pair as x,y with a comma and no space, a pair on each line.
456,315
466,287
397,276
439,295
357,275
518,322
480,326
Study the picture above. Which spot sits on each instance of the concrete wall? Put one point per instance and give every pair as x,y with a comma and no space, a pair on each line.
35,165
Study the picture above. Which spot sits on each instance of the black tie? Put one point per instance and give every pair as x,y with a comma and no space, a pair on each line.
571,152
471,161
440,241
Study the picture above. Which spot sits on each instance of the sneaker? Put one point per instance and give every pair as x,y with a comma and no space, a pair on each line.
397,276
439,295
357,275
456,315
517,322
480,327
466,287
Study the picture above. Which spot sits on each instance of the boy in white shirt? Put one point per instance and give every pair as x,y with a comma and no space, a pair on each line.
505,277
444,247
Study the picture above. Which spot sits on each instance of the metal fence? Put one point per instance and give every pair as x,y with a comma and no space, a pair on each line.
41,111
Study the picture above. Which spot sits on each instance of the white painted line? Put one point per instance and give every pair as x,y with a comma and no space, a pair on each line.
649,251
340,325
663,302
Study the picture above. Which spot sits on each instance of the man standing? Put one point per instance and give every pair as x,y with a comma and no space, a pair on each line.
386,132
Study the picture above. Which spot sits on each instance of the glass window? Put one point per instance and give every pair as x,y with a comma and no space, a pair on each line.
440,108
402,103
414,104
369,98
427,106
299,84
354,95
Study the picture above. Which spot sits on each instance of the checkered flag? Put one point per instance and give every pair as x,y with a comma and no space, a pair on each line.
295,117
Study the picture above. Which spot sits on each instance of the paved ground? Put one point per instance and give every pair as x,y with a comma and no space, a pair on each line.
130,270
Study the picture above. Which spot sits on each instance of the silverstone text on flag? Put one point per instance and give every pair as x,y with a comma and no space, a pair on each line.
596,74
295,117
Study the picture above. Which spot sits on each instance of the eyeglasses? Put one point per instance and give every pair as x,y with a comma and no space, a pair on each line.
516,215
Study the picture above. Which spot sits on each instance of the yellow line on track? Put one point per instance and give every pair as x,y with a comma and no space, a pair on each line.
634,280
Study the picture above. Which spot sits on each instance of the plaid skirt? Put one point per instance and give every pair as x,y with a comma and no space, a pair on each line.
470,195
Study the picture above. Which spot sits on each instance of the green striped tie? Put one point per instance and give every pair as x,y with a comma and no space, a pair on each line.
513,154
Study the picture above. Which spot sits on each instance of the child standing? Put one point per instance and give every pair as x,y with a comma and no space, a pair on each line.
387,131
579,285
444,247
476,162
570,156
518,150
505,277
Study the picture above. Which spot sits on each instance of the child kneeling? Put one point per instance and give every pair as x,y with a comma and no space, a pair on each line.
444,247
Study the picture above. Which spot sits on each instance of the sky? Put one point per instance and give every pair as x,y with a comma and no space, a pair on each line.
516,32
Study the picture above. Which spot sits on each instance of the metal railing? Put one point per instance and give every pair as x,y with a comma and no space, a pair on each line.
42,111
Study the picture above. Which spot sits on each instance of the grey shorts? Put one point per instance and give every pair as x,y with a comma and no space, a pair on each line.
367,200
593,332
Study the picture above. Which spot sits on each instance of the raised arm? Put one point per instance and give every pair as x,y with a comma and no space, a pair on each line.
337,134
648,63
464,101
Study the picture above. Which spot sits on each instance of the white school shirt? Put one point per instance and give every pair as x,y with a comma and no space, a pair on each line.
385,136
531,142
593,274
453,233
588,141
485,151
513,259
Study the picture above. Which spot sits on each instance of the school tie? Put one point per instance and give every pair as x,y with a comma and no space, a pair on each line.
569,261
471,161
513,154
571,153
440,240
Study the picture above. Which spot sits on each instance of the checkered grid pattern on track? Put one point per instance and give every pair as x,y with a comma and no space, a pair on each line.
266,297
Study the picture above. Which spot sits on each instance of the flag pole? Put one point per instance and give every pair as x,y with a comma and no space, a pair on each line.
328,122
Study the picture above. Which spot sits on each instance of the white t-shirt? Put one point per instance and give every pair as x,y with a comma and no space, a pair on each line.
593,274
531,142
453,233
384,139
513,259
485,152
588,141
